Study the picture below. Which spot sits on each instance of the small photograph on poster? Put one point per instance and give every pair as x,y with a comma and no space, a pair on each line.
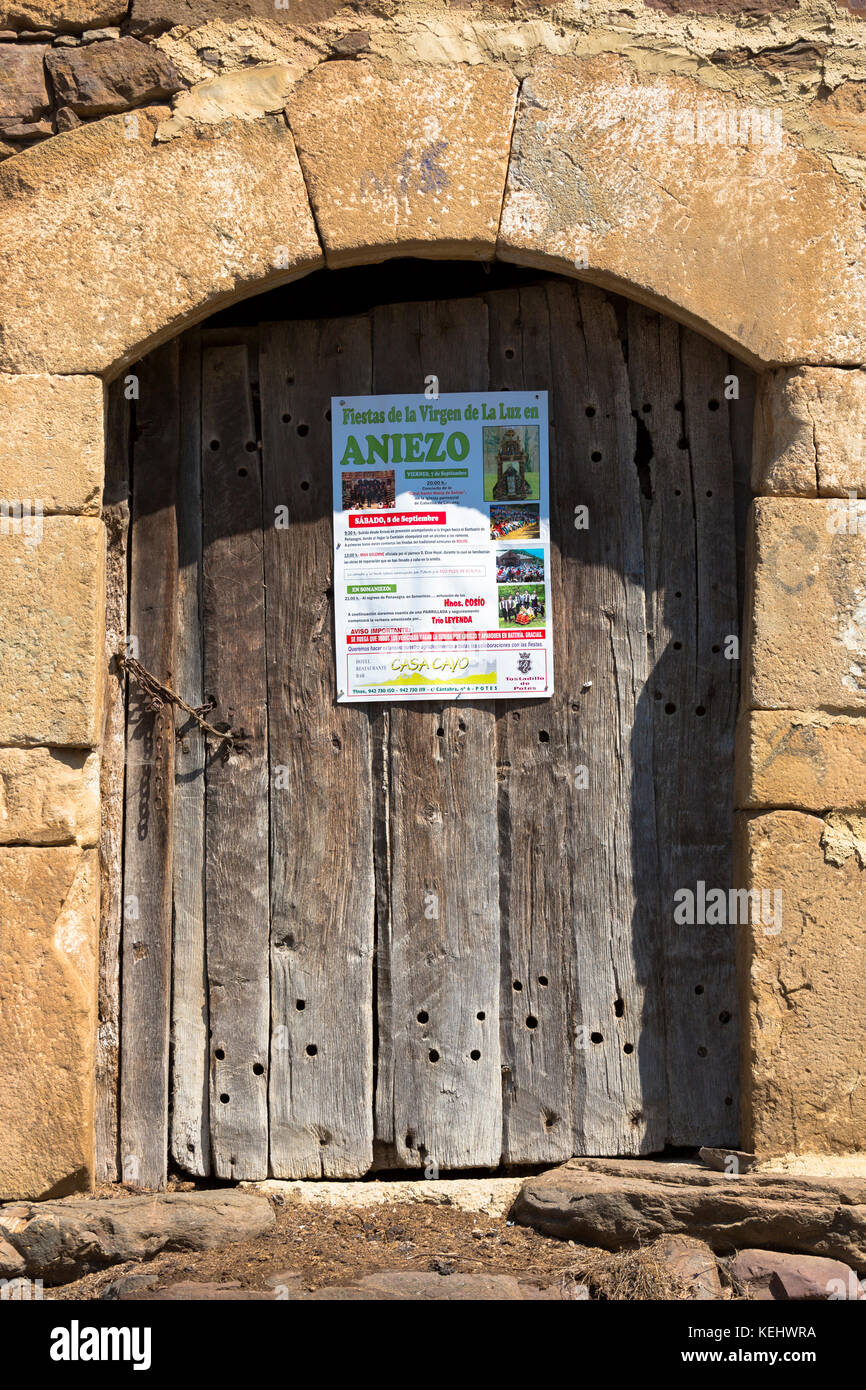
512,466
520,566
517,522
363,492
521,605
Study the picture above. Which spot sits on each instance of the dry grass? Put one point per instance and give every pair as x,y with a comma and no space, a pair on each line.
629,1275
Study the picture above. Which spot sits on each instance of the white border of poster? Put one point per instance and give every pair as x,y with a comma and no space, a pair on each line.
442,546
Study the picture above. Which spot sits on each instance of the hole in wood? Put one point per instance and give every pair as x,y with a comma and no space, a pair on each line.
699,989
242,473
475,1054
286,419
300,1005
682,443
596,1038
729,1100
595,456
678,646
646,408
251,446
702,1052
214,444
628,1048
224,1098
716,647
410,1141
303,431
700,711
305,486
311,1049
713,404
220,1055
543,736
423,1016
481,1015
531,1021
590,410
678,594
724,1016
440,733
678,492
619,1007
679,405
709,492
258,1069
517,985
550,1119
543,981
670,709
433,1055
509,353
461,724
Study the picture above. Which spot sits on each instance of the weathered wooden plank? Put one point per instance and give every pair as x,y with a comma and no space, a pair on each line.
445,1067
322,884
676,375
619,1047
538,795
190,1137
700,986
115,514
741,415
397,367
236,796
655,375
149,780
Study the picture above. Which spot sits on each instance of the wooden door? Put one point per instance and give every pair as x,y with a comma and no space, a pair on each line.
430,936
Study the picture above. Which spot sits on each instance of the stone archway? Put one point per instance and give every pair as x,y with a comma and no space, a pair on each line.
120,233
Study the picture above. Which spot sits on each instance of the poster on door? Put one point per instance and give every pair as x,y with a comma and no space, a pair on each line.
442,546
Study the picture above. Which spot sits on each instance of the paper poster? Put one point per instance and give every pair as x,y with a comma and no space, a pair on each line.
442,546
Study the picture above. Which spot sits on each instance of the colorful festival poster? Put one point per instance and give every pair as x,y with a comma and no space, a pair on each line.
442,546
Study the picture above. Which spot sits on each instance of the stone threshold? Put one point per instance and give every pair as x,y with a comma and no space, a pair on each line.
622,1203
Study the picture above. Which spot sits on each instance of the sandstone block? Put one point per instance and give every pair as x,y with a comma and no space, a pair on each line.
152,16
48,796
70,16
692,1261
809,760
803,1029
49,926
112,266
621,1203
810,433
52,441
99,78
51,659
401,161
23,90
806,609
776,1275
678,196
59,1241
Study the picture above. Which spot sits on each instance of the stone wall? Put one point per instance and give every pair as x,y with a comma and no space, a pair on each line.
708,161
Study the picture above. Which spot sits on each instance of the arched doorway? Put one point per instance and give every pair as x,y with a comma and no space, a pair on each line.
419,936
